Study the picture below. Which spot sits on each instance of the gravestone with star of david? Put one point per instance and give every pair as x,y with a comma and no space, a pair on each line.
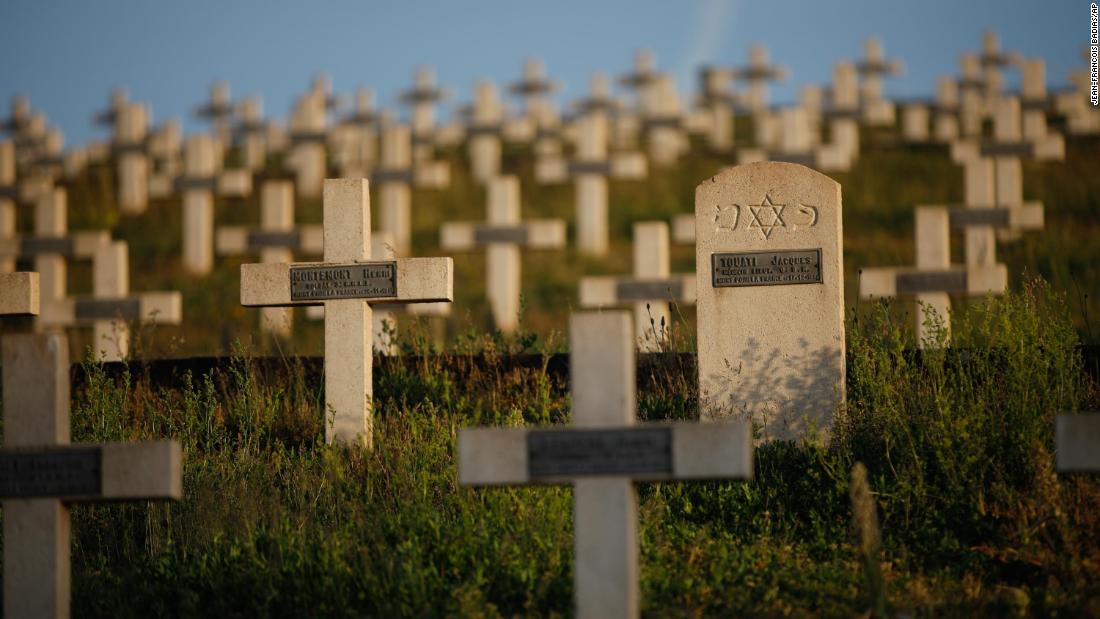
770,297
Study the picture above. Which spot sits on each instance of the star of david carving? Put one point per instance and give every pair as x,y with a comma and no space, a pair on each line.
766,217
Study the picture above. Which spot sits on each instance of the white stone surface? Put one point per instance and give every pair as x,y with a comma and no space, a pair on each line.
1077,443
774,353
19,293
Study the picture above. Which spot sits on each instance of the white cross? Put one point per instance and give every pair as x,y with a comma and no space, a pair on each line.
650,289
502,236
112,308
201,180
934,278
394,176
347,283
603,455
41,473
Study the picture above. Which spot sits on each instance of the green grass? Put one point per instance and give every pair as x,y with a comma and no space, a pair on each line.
956,443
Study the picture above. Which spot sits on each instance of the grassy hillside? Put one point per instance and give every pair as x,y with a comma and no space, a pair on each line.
879,195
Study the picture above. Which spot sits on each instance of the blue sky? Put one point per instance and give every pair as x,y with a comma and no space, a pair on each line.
68,55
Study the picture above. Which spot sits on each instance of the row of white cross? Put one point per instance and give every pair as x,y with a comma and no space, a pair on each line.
769,242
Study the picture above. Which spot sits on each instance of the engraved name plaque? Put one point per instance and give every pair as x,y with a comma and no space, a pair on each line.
571,453
366,280
107,309
39,245
931,281
963,218
259,239
664,289
496,234
765,268
60,473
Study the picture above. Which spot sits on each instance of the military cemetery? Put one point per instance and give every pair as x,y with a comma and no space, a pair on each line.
782,317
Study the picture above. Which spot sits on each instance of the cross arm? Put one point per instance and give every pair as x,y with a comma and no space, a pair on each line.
74,245
417,280
968,280
605,291
160,307
237,240
517,456
536,234
104,472
19,293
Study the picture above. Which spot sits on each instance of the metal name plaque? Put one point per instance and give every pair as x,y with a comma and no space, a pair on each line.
500,234
573,453
60,473
656,290
590,167
367,280
42,245
765,268
930,281
259,239
964,218
1007,149
107,309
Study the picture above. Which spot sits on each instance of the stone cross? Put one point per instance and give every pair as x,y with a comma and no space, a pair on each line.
131,133
1077,443
347,284
993,60
534,89
354,140
51,245
112,308
603,455
1033,99
758,73
993,174
972,103
252,133
650,290
683,229
664,123
590,170
843,115
484,131
877,110
384,317
770,307
165,151
934,278
395,174
502,236
201,180
719,102
276,240
41,474
218,111
422,98
308,136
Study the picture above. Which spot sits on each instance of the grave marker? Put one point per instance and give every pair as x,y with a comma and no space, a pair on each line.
133,166
768,261
276,240
41,473
200,182
934,278
112,307
650,290
877,110
347,284
602,456
502,236
19,294
422,98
